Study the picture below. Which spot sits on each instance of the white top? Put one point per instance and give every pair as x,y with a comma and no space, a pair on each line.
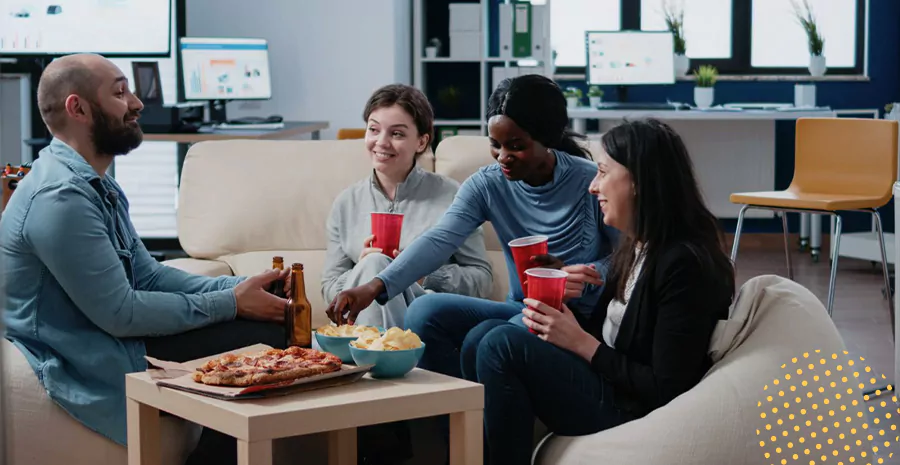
616,309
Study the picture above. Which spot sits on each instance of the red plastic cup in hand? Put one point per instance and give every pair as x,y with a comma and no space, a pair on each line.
522,250
547,285
386,228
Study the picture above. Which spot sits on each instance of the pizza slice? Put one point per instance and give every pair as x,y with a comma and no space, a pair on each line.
266,367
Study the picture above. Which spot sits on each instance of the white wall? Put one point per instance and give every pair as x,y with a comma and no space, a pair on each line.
327,56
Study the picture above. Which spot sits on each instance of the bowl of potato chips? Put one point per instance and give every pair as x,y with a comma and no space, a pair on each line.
336,339
393,354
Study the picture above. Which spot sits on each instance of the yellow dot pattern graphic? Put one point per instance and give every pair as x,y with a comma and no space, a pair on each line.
822,413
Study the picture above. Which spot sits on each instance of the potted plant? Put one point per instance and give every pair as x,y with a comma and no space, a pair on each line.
431,50
595,95
814,38
703,92
892,111
675,24
573,96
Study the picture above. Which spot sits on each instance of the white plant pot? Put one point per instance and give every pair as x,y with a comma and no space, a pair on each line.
703,96
682,65
431,52
595,101
572,102
817,65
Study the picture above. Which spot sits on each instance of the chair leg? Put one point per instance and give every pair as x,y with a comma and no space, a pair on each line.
737,233
884,267
834,263
787,247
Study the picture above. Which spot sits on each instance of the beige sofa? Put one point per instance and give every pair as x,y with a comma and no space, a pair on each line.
241,202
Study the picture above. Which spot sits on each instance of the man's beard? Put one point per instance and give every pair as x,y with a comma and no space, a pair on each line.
111,137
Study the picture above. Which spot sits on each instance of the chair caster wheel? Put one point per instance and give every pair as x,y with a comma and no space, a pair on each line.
804,244
815,256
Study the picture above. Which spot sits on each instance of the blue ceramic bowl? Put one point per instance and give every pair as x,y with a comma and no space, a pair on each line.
339,345
388,363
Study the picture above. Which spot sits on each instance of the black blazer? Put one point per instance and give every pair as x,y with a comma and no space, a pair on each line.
661,349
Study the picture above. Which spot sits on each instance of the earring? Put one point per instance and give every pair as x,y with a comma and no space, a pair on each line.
549,151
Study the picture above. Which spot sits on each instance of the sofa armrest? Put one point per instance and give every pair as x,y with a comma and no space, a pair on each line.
212,268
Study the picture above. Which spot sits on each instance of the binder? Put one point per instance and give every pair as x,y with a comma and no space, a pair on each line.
522,29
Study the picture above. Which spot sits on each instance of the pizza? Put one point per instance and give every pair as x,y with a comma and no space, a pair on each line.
266,367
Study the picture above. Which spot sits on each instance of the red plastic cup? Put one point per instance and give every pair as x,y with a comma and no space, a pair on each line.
547,285
522,250
386,227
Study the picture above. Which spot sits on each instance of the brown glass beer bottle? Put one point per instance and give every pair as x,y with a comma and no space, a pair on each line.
278,285
298,311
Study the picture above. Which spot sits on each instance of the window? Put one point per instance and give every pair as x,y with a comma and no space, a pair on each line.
737,36
569,19
707,24
778,41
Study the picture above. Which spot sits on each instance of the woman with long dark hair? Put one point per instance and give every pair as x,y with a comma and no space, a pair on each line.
669,283
539,186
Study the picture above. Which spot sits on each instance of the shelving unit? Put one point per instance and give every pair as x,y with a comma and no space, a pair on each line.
442,74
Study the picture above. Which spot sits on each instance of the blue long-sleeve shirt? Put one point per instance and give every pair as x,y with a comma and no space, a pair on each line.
82,291
562,210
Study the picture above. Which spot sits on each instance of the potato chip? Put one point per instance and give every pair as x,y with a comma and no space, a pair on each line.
348,331
393,339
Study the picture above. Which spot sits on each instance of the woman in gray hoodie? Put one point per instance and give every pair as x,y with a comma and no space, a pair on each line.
400,127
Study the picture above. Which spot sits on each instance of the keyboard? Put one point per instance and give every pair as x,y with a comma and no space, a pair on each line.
642,106
250,126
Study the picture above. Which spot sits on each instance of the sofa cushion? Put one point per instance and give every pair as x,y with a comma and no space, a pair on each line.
39,432
244,195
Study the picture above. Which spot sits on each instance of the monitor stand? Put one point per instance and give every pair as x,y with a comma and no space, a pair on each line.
217,111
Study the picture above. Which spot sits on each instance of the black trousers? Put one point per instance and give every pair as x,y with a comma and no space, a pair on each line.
214,447
377,445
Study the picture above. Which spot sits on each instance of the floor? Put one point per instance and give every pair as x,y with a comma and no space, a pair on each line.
860,313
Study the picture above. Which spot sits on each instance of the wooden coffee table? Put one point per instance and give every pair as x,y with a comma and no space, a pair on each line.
337,410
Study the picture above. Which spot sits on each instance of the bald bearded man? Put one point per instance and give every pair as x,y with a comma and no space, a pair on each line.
85,300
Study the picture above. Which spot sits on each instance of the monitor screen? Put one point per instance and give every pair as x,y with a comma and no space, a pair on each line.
625,58
225,69
107,27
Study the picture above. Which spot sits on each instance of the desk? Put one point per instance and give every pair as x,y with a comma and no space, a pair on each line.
732,151
291,129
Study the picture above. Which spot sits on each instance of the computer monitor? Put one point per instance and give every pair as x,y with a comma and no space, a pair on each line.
222,69
625,58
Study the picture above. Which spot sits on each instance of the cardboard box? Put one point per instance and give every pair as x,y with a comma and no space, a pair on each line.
465,45
465,17
178,376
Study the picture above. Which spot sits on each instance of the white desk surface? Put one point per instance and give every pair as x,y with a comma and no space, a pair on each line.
592,113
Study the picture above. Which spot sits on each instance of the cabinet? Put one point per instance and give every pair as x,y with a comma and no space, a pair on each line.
474,55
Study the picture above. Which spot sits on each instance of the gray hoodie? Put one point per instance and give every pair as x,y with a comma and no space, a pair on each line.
422,198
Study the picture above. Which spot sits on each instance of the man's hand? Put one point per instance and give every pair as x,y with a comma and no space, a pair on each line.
579,275
367,248
347,305
560,328
254,302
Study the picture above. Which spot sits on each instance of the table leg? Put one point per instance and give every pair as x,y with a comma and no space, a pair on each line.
579,125
466,438
254,453
316,135
144,446
342,447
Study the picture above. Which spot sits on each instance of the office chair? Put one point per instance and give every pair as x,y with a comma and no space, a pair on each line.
841,164
348,133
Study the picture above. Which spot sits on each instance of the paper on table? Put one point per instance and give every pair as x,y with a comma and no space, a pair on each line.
178,376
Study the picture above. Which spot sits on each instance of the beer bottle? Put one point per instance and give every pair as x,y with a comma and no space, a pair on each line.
298,311
277,287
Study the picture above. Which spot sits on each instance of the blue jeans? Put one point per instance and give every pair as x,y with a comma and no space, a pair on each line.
442,321
525,378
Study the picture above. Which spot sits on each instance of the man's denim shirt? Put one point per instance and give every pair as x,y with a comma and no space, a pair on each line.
82,291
